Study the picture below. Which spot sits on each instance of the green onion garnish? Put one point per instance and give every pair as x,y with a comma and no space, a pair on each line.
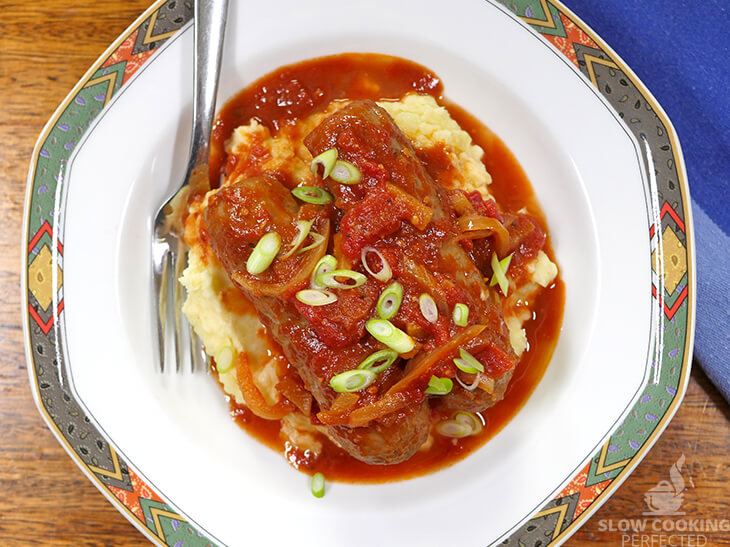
390,335
390,300
388,356
318,485
264,253
453,429
352,380
499,267
461,424
318,240
439,386
469,418
468,363
326,264
345,173
461,314
384,273
329,279
316,297
224,359
312,194
303,228
428,307
327,160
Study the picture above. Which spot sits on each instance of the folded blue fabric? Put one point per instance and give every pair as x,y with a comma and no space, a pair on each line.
680,50
712,334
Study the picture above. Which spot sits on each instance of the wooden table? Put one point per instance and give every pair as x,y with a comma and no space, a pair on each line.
45,47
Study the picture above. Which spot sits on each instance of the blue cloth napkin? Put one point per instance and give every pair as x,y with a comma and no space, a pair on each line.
681,50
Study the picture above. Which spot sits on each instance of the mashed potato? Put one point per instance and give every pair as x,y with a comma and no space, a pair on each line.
426,124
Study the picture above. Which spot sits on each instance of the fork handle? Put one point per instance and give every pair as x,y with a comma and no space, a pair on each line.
209,31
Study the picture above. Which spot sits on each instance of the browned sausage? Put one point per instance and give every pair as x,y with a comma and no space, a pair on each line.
237,216
367,136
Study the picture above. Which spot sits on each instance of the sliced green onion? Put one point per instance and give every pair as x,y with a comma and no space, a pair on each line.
224,359
345,173
312,194
315,297
327,160
439,386
462,424
499,267
303,228
387,355
468,363
390,300
428,307
390,335
450,428
318,485
329,279
352,380
470,419
461,314
326,264
385,273
264,253
318,240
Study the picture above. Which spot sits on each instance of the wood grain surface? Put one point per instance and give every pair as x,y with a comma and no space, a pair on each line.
45,47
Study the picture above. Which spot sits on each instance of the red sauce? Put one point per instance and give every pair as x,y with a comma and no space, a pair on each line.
296,91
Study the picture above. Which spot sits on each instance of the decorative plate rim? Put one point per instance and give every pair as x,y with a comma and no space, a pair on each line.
555,14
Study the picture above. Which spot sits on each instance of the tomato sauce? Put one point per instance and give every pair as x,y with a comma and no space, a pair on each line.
296,91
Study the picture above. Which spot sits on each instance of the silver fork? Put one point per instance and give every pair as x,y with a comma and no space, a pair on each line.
169,253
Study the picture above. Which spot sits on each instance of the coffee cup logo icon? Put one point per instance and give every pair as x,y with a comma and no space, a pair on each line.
665,499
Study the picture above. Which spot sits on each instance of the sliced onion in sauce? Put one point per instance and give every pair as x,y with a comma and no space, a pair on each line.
477,227
303,228
385,273
468,387
428,307
318,240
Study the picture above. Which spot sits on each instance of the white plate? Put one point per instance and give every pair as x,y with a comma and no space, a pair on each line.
586,168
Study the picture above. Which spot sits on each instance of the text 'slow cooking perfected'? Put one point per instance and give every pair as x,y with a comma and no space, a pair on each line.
373,276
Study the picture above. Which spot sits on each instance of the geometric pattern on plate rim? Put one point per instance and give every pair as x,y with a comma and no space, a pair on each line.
669,233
